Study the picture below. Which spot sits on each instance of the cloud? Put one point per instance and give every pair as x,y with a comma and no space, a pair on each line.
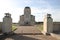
16,12
27,1
38,13
16,8
5,4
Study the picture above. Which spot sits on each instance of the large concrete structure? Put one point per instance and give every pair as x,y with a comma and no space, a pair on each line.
27,18
48,24
7,24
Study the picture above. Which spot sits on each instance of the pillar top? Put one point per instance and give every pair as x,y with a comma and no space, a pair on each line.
48,15
8,15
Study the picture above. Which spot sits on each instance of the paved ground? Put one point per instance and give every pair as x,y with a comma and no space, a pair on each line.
27,29
21,34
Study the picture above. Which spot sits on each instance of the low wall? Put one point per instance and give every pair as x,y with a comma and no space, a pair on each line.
56,26
0,26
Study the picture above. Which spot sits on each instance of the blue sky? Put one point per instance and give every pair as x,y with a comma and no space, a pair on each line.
39,8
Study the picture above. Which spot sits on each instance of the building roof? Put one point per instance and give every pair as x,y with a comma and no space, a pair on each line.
27,7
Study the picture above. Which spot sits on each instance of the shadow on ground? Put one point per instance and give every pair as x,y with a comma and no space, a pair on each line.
17,37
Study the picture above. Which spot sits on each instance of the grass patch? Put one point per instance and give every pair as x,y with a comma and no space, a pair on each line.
40,27
14,28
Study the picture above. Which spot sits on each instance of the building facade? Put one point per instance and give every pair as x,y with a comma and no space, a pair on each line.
27,18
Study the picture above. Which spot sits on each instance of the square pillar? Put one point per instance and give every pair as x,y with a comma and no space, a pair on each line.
7,24
48,24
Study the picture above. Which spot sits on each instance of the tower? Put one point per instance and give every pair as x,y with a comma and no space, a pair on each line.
27,15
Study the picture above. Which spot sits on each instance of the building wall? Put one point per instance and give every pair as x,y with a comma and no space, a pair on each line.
32,20
21,21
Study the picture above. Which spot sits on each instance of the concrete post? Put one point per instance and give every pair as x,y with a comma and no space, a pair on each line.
48,24
7,24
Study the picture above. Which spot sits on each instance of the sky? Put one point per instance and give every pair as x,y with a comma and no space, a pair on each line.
39,8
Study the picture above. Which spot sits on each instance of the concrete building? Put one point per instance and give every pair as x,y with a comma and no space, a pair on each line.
27,18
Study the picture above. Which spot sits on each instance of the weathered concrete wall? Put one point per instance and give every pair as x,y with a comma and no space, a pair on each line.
21,21
0,26
32,20
56,26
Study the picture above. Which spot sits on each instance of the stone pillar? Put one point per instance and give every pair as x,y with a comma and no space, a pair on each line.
48,24
7,24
